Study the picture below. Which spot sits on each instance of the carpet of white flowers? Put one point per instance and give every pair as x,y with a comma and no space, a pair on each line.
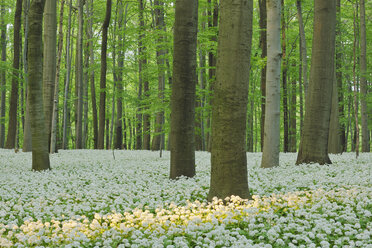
90,199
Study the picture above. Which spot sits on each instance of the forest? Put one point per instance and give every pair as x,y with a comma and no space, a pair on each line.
185,123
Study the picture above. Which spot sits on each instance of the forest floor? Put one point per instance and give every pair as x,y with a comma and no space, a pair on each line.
91,199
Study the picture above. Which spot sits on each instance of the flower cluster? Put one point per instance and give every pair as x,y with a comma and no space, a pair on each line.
91,199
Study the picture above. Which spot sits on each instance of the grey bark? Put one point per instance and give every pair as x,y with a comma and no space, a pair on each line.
270,154
303,45
183,90
229,112
40,155
3,76
314,140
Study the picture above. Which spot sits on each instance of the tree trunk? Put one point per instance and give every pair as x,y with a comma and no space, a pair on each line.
49,61
27,144
292,117
339,76
79,77
229,158
91,76
284,80
102,95
363,80
12,124
183,90
334,142
314,140
303,46
119,102
355,88
263,46
53,141
270,155
66,111
160,53
3,76
40,155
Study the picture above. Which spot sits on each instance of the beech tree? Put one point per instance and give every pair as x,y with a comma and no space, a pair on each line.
183,90
40,151
228,156
270,155
314,140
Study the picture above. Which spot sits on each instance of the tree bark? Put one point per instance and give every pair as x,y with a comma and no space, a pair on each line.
363,80
270,155
40,155
160,53
66,111
102,95
284,80
334,141
228,158
355,88
49,61
13,103
53,138
3,77
314,140
263,46
183,90
91,76
303,46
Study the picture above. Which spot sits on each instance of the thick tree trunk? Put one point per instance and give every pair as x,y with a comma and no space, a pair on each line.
13,103
263,46
49,61
363,80
314,140
3,76
270,155
53,139
40,155
229,158
102,95
183,90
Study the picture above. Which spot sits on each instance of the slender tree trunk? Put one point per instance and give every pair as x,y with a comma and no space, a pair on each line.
263,46
212,23
314,140
355,89
27,139
160,53
79,77
66,111
270,155
49,61
102,96
119,102
229,158
334,142
3,76
301,91
91,76
284,80
53,141
303,45
363,80
292,117
12,124
183,90
339,76
40,155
